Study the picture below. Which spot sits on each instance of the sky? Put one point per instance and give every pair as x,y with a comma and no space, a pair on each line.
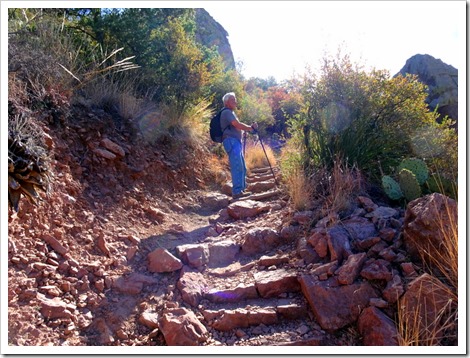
279,38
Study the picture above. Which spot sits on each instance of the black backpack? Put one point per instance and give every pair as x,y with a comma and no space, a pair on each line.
215,128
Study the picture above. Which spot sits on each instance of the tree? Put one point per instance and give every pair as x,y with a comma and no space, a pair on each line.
365,118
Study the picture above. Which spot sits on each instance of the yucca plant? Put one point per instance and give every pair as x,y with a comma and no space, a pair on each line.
27,162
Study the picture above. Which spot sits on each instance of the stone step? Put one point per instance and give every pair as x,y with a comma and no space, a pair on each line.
258,178
263,170
255,312
263,284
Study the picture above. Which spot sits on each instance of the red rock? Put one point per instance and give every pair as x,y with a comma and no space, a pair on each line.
319,241
237,294
55,308
113,147
273,283
338,243
350,269
160,260
222,253
430,300
335,306
326,270
259,240
387,234
393,290
105,153
306,251
192,285
272,260
377,270
149,319
226,320
181,327
54,243
367,243
377,329
426,221
194,255
247,208
261,186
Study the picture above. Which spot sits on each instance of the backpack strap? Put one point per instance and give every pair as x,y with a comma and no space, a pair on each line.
228,126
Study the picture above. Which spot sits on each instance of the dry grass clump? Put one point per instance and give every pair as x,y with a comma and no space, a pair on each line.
298,185
429,329
429,317
255,156
342,184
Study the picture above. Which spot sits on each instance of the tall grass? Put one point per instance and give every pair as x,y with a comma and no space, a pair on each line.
297,183
255,156
429,317
424,328
342,184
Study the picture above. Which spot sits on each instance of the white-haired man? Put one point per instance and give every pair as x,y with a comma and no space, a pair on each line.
232,141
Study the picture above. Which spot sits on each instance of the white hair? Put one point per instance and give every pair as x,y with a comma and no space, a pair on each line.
227,96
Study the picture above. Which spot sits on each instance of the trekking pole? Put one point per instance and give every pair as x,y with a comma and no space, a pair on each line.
244,144
262,146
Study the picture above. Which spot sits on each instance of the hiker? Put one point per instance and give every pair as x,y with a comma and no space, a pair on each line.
232,141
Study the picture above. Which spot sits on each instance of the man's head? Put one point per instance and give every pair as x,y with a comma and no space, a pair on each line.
230,100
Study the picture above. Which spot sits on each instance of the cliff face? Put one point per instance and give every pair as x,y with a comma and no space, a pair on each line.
210,33
442,80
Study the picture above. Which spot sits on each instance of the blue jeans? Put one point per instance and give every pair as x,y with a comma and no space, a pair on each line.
233,147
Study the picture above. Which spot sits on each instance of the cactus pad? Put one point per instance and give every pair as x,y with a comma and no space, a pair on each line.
418,167
391,188
409,184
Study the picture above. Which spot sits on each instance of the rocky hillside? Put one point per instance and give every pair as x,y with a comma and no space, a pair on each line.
442,80
134,246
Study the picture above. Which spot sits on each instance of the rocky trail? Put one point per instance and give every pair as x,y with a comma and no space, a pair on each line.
201,269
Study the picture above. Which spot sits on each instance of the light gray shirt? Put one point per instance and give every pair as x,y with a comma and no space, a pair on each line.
226,118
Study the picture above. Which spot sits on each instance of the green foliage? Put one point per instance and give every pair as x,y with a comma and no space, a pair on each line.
367,118
409,184
391,188
254,107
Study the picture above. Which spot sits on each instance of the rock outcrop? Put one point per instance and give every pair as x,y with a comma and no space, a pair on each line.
210,33
442,80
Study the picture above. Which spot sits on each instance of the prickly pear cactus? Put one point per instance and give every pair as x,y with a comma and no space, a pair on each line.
418,167
391,188
409,184
438,184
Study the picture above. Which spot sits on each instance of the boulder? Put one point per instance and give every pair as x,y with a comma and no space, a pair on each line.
181,327
273,283
376,328
161,260
193,255
192,286
429,221
259,240
222,253
432,301
335,306
246,208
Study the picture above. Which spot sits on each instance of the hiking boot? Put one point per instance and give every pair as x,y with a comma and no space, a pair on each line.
242,194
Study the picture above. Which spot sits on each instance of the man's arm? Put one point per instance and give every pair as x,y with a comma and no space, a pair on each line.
242,126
